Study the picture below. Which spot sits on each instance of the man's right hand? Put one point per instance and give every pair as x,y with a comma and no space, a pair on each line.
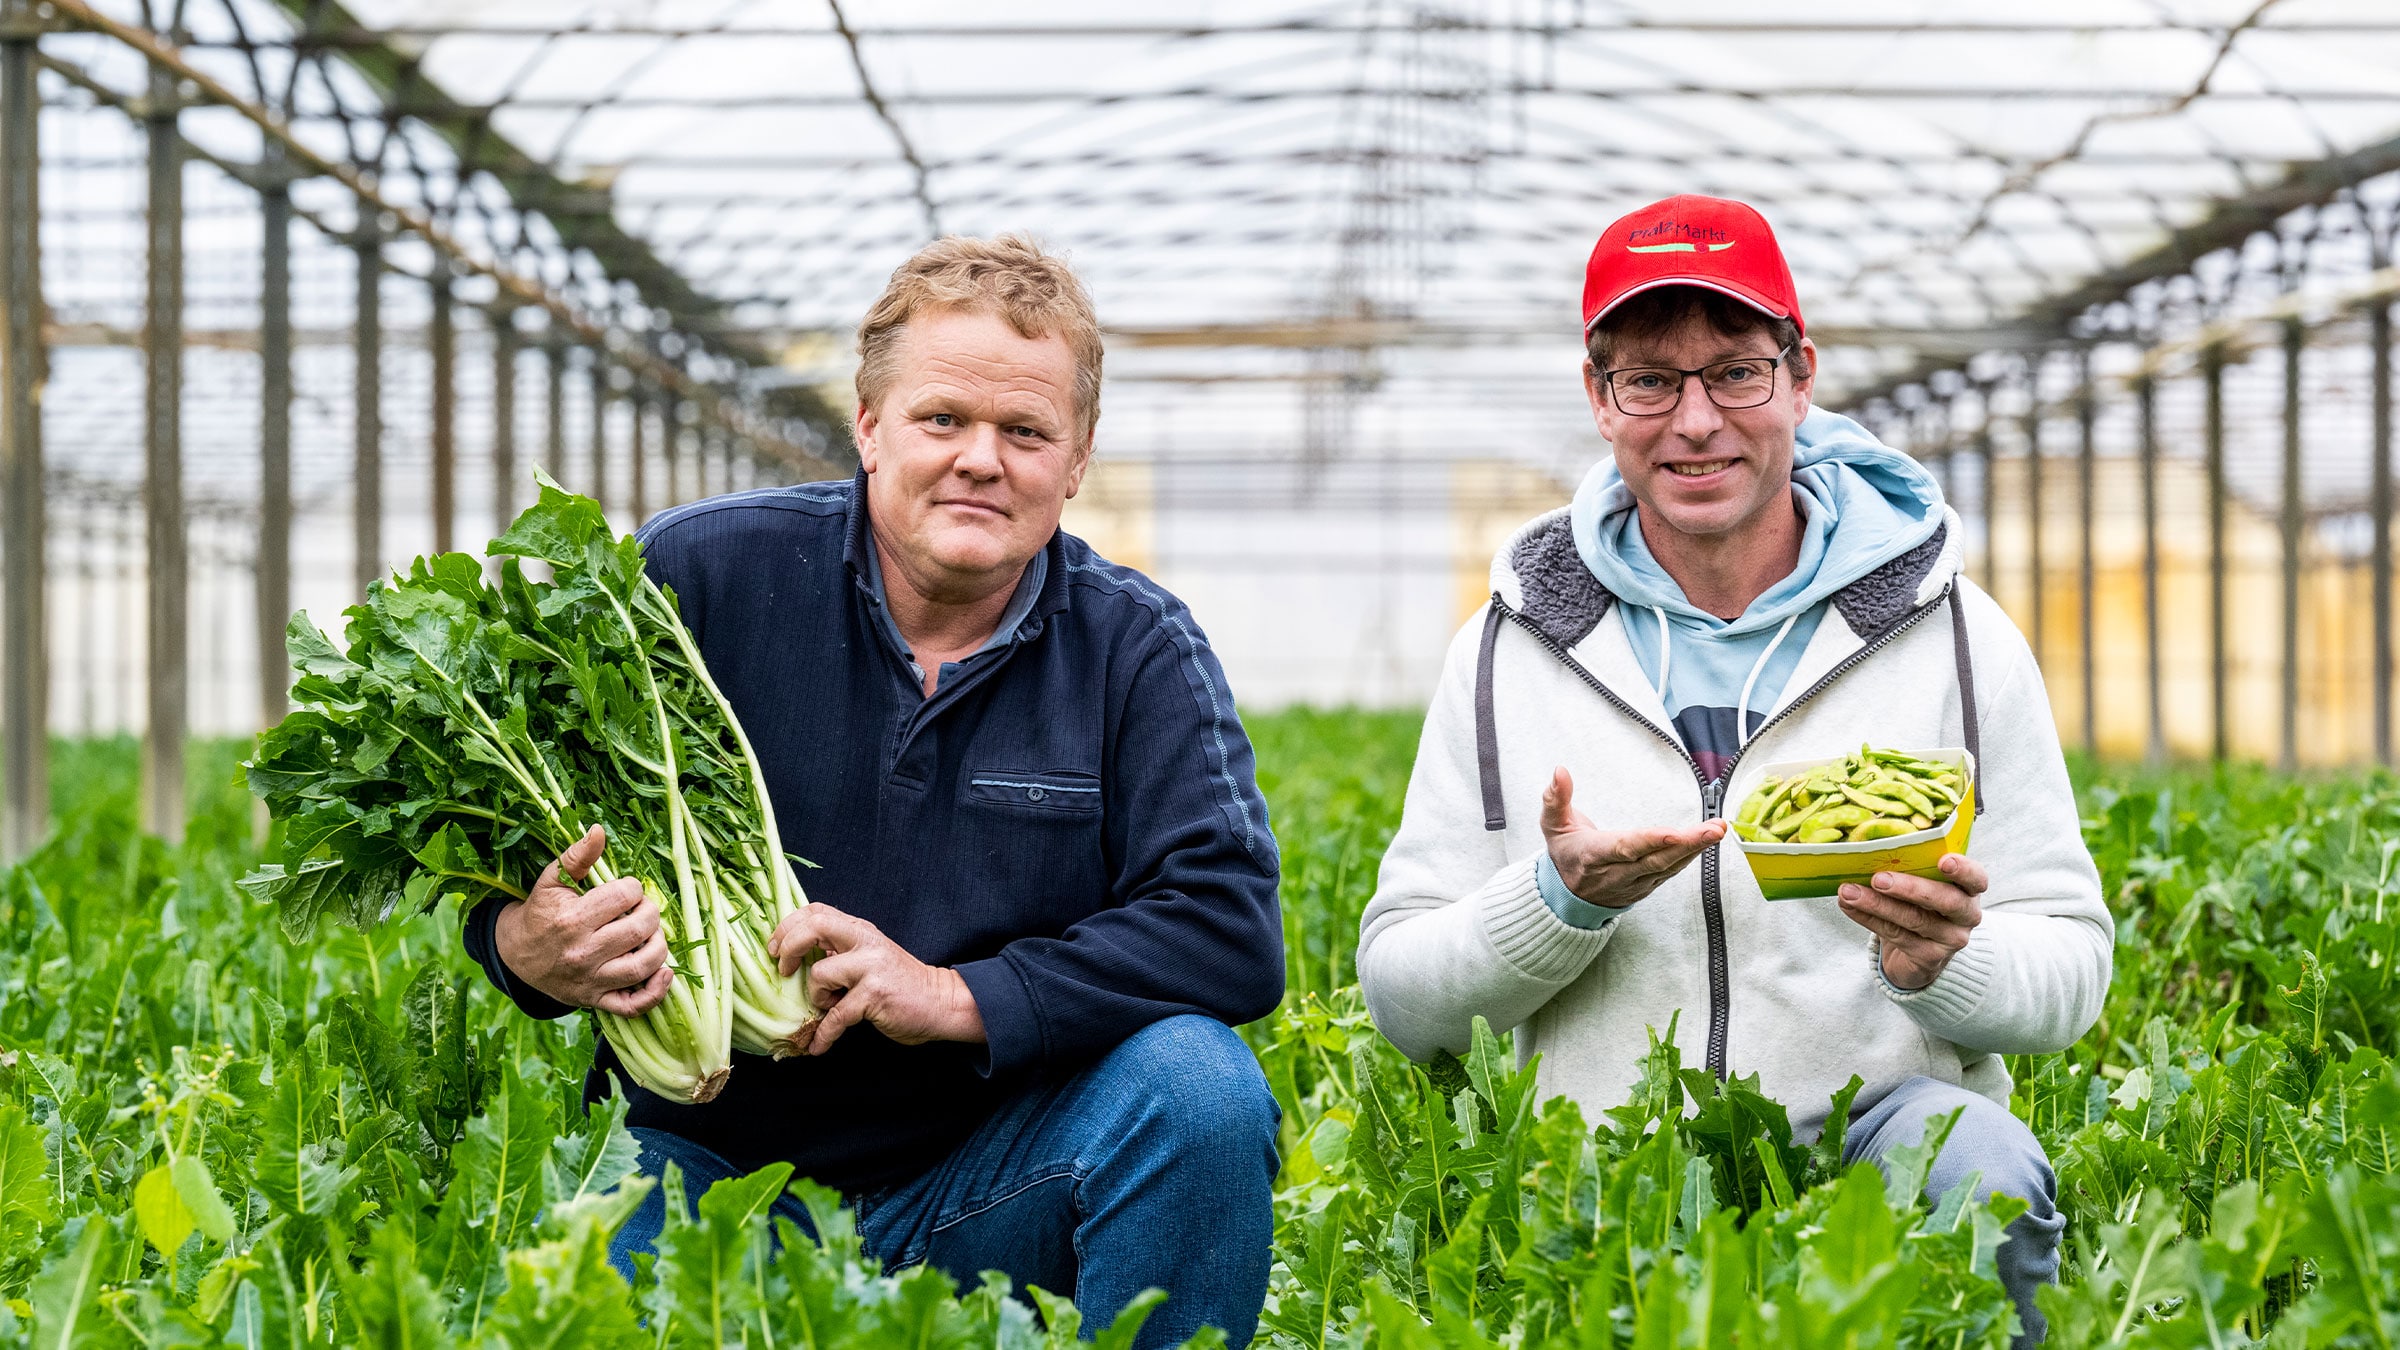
602,948
1608,868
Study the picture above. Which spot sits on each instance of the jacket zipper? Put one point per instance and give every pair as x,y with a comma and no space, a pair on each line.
1712,795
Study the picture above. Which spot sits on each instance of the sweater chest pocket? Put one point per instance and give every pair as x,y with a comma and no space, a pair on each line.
1052,794
1024,840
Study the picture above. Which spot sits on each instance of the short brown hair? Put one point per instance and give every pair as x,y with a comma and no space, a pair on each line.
1036,292
1654,314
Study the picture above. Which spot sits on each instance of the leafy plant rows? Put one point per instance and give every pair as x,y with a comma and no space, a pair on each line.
210,1135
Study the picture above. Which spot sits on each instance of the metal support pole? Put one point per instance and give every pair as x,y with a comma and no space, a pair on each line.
1986,461
366,469
2035,501
274,439
598,372
639,450
2294,340
24,658
2087,451
2379,488
442,338
554,447
2146,394
2212,370
670,439
162,481
504,419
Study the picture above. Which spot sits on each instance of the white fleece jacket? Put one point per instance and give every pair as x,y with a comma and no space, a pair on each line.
1458,929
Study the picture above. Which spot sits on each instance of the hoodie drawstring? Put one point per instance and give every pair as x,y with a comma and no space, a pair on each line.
1741,710
1666,651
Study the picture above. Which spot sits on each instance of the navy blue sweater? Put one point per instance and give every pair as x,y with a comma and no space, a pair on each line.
1072,821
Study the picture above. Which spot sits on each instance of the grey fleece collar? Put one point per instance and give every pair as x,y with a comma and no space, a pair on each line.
1562,599
1565,601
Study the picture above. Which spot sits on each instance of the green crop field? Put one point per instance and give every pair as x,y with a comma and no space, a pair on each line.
210,1136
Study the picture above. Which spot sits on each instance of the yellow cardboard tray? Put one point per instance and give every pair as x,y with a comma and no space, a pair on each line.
1817,871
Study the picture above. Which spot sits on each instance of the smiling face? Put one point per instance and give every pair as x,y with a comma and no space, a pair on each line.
1707,473
971,453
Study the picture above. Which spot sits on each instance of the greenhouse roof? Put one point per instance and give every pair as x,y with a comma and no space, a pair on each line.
1317,228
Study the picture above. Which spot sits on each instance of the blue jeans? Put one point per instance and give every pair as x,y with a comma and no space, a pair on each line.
1990,1140
1155,1167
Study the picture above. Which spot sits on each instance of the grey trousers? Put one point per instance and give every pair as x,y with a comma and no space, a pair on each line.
1990,1141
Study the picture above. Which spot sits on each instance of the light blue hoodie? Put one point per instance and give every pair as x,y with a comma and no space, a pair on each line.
1862,504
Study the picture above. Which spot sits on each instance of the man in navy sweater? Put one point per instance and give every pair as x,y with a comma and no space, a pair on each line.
1045,883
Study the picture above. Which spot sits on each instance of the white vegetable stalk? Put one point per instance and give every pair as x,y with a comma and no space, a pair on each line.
726,992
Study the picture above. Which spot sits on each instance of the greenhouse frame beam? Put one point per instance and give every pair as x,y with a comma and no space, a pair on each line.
530,184
363,35
2145,391
433,110
373,202
554,410
597,373
2212,374
366,378
639,404
2036,498
671,435
1985,463
442,343
2234,221
2291,521
505,347
274,572
24,659
167,679
2379,490
2087,453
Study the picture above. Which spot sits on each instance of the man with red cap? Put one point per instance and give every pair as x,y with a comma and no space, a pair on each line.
1748,579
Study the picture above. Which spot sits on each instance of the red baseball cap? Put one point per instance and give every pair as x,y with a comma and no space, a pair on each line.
1722,245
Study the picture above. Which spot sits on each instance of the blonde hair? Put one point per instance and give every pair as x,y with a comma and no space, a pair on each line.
1011,277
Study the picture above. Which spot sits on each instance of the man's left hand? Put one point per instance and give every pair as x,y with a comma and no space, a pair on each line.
1923,922
863,976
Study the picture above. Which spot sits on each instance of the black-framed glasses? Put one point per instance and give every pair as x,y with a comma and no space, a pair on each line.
1653,391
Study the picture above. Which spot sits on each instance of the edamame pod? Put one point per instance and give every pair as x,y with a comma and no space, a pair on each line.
1872,794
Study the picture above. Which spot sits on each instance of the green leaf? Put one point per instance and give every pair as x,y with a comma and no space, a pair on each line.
66,1295
222,1283
159,1207
1127,1324
595,1160
498,1179
1906,1167
563,1294
707,1291
26,1202
358,1039
312,653
1825,1160
558,529
197,1189
388,1302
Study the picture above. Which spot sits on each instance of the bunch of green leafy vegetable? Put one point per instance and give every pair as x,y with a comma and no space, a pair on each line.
472,731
